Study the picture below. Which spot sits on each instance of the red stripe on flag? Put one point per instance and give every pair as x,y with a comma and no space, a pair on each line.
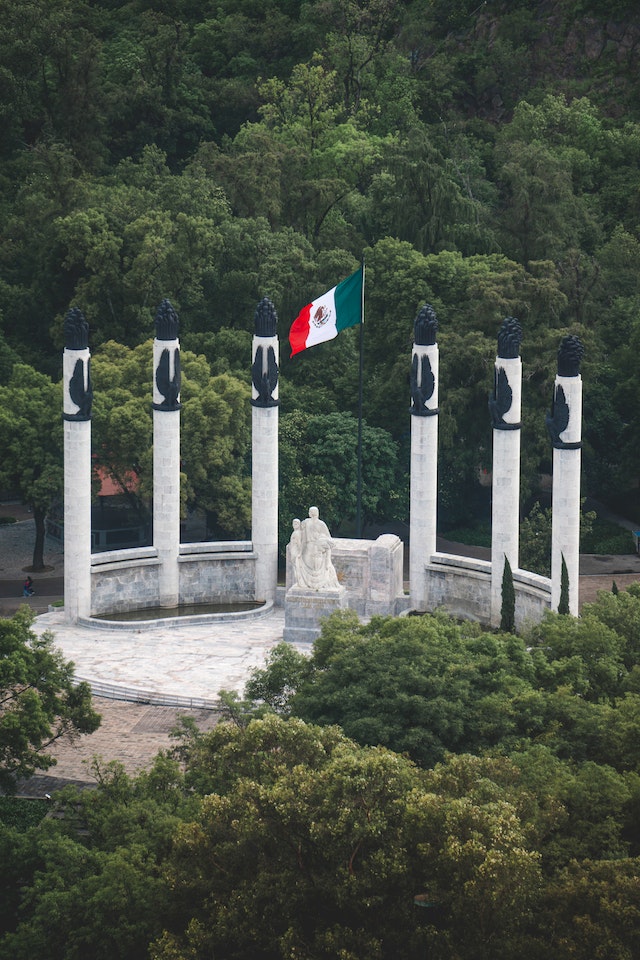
300,330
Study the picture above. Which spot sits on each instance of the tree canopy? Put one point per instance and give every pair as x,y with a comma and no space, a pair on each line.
218,153
484,805
484,158
39,700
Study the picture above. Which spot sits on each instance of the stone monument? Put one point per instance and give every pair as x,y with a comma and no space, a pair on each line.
315,591
264,450
505,409
166,453
424,453
564,424
76,413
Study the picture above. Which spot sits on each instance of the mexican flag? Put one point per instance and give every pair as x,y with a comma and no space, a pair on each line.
324,318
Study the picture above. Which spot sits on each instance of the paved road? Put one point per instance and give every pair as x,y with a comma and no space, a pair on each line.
47,592
16,556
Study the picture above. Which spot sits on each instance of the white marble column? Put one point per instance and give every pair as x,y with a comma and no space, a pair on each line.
77,399
166,453
264,450
505,406
565,429
424,455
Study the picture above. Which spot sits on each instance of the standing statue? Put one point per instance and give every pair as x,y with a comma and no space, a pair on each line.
310,553
295,549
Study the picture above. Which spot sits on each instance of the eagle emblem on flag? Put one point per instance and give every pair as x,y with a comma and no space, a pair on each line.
321,316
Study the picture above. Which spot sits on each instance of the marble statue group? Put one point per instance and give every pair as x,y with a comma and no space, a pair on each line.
310,547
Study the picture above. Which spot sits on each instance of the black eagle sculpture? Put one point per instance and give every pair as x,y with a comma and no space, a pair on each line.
79,394
501,399
558,419
570,354
168,386
423,390
265,382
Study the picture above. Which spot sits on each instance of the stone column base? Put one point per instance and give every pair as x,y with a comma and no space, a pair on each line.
305,609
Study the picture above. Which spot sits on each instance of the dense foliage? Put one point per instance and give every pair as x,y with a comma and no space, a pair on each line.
484,157
39,700
503,823
426,686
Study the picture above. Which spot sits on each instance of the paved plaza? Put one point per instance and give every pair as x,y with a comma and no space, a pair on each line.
167,664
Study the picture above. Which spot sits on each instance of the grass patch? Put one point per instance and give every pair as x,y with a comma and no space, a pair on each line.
477,536
607,537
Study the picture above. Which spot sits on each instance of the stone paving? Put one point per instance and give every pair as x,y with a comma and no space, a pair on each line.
130,733
166,663
156,676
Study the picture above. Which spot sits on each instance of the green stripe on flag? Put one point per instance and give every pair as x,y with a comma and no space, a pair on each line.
348,301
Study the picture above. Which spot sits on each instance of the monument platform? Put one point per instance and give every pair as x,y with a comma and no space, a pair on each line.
304,611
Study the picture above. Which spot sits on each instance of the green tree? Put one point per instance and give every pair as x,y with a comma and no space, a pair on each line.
308,844
621,614
140,235
535,537
39,700
419,685
98,858
586,646
563,604
31,445
593,908
214,432
508,609
319,467
358,35
547,164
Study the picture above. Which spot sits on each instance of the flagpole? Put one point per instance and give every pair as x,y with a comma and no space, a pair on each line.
360,387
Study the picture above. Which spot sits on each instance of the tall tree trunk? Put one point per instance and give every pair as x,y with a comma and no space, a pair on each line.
39,514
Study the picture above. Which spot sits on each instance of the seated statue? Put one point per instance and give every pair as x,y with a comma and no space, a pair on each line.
310,553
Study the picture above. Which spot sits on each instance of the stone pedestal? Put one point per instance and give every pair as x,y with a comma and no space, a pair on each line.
565,517
77,485
166,468
424,474
505,508
304,611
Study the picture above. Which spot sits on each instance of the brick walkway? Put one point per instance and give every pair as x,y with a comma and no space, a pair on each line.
131,733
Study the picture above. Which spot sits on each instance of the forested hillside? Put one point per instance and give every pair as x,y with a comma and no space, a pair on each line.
484,157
